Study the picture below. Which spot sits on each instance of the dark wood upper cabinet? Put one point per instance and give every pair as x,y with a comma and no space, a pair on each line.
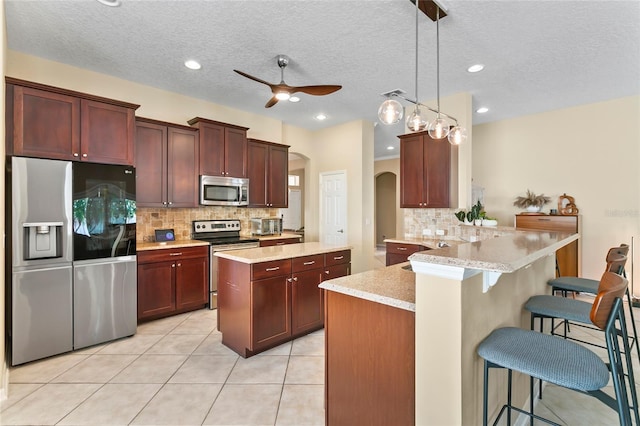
268,174
425,171
49,122
166,164
223,148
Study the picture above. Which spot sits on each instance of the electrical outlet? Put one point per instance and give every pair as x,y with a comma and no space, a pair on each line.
439,231
426,232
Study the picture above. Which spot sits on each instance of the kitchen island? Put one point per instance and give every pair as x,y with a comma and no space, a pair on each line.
462,293
270,295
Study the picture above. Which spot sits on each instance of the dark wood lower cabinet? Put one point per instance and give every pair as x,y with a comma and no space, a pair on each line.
262,305
369,362
400,252
172,281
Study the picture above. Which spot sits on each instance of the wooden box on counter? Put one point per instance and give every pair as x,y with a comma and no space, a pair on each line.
568,257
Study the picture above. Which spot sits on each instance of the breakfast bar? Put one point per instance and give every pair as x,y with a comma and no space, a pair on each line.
461,294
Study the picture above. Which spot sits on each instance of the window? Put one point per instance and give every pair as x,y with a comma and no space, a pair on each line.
294,180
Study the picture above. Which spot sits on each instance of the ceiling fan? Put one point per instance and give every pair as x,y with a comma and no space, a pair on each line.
283,91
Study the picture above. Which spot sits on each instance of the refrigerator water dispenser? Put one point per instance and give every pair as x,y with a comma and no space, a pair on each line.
43,240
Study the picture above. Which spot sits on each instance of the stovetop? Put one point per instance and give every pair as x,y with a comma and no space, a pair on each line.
219,231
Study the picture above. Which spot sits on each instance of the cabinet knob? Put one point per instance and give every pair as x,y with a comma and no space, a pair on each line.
179,264
84,155
170,202
164,203
289,280
75,154
173,265
326,272
295,278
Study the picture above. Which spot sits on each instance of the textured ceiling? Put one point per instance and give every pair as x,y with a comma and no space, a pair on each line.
538,55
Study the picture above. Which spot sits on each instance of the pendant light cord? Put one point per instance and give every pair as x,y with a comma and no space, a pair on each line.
438,55
417,9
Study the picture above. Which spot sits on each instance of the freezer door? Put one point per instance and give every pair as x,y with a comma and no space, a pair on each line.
41,322
105,300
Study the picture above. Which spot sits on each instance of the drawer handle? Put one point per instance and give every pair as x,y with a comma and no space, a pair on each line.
544,219
402,248
309,263
338,257
280,244
175,254
272,269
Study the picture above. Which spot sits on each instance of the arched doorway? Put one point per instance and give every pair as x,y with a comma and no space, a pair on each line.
385,188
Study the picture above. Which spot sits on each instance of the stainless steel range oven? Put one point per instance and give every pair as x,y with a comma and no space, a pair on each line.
222,235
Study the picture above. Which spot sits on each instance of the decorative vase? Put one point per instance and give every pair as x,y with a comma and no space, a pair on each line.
534,209
477,222
489,222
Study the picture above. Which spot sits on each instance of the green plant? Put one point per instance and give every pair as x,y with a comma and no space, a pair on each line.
476,212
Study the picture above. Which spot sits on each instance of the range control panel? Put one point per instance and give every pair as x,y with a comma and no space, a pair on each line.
218,225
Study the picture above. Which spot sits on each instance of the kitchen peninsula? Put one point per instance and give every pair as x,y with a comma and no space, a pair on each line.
270,295
461,294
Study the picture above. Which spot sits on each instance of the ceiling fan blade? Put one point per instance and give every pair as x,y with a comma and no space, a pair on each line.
316,90
271,102
244,74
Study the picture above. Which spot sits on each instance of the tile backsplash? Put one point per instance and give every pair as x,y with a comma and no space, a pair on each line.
416,220
179,219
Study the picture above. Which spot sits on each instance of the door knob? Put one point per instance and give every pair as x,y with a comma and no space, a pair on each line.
341,231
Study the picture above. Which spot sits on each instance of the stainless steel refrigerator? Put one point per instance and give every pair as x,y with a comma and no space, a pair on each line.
72,256
41,292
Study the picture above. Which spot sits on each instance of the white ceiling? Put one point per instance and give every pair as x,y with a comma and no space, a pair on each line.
538,55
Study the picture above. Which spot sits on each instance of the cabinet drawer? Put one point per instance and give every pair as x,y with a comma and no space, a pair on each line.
400,248
337,257
270,269
162,255
548,223
306,263
279,242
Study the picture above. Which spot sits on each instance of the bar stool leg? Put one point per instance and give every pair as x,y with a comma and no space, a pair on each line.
485,394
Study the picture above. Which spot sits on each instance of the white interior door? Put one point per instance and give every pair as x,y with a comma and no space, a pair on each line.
333,207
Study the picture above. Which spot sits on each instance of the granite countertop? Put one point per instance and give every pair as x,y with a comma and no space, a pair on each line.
170,245
276,237
503,254
287,251
393,286
431,243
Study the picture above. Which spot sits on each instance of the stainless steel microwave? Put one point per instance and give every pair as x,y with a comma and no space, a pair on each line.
224,191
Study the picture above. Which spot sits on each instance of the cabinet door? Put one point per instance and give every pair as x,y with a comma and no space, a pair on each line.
156,289
270,312
182,161
235,152
567,258
258,158
437,164
192,279
278,185
307,312
211,149
411,172
336,271
45,124
107,133
151,165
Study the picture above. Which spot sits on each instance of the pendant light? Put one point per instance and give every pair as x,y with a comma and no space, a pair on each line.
439,127
415,121
391,111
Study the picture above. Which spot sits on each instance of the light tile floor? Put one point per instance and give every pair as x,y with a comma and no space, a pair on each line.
175,371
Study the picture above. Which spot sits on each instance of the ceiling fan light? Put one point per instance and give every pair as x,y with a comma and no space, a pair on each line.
457,135
438,128
415,121
282,96
390,112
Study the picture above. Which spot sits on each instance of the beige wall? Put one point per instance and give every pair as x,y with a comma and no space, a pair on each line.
590,152
392,166
385,213
4,372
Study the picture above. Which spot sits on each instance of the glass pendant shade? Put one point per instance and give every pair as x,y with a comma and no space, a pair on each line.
438,128
457,135
390,112
415,121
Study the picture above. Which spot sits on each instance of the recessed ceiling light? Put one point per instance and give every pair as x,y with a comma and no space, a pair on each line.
294,99
482,110
110,3
193,65
475,68
321,117
390,148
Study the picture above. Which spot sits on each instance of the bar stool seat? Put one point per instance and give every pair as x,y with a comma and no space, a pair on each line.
555,360
559,307
577,284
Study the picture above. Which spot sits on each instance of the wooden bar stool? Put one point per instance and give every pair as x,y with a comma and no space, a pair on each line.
565,363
